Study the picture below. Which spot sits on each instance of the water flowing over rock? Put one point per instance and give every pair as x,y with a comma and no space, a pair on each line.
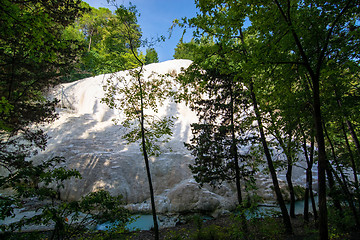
87,138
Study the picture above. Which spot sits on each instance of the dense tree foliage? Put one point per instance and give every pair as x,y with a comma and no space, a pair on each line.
34,55
185,50
223,110
297,59
288,68
151,56
36,52
105,49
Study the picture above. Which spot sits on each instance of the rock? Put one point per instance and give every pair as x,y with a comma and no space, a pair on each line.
87,138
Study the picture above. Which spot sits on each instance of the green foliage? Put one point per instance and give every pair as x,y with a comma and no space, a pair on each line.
299,192
101,34
211,89
36,51
74,218
5,109
34,55
185,50
137,97
270,228
340,223
212,232
42,181
260,227
300,62
151,56
128,98
196,49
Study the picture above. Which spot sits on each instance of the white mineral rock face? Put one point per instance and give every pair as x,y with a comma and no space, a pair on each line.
90,142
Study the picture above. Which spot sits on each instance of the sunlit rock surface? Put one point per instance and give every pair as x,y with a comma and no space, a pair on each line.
87,138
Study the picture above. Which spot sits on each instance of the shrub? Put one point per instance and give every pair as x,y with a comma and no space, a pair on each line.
43,182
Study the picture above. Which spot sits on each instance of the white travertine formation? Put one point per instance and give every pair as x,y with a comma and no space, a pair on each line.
90,142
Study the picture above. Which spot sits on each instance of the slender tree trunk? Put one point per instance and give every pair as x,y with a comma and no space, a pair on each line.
342,182
152,198
290,162
235,155
332,187
237,180
90,38
291,188
322,162
308,174
286,218
234,151
333,191
132,39
89,47
307,182
287,150
313,203
353,165
353,136
306,196
308,190
146,158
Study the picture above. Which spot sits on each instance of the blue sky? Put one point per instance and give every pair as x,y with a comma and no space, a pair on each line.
156,18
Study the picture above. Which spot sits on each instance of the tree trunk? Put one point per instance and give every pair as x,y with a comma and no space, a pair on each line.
323,223
89,47
306,196
313,203
146,159
131,39
287,150
289,175
286,218
308,181
90,38
353,165
348,196
342,182
353,135
291,188
235,155
156,226
234,151
309,191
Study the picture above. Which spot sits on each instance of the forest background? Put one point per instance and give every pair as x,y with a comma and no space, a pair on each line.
296,66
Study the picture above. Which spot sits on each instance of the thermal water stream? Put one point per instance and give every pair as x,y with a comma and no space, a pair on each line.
145,222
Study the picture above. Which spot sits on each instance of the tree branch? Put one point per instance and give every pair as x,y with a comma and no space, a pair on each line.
333,24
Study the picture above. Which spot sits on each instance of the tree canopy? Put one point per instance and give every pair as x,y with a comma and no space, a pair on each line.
151,56
290,57
34,55
290,69
105,49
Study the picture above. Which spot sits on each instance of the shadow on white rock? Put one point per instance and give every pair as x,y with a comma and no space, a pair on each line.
86,137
